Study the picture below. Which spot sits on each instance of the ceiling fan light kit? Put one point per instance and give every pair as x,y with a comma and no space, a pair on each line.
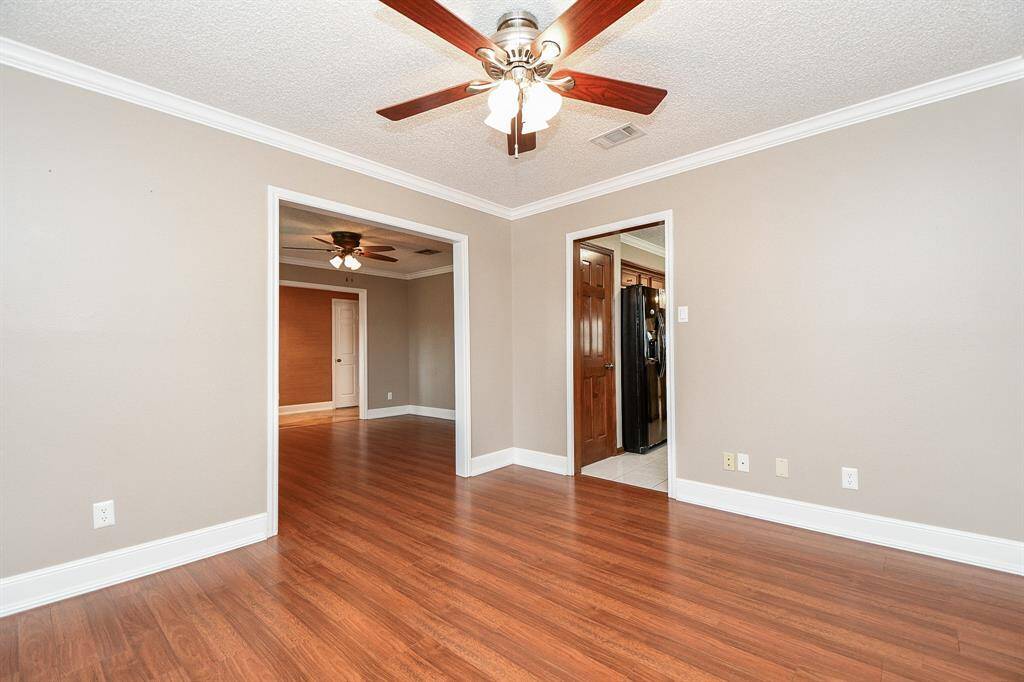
523,93
344,249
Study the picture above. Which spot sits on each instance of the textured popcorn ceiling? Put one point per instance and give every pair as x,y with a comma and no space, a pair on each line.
300,225
320,68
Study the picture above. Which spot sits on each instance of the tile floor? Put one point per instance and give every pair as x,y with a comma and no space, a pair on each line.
644,471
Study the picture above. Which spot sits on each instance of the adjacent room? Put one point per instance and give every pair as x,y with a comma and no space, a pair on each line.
560,340
621,357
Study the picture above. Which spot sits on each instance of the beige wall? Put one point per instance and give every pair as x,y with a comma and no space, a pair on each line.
644,258
410,334
432,342
856,298
134,311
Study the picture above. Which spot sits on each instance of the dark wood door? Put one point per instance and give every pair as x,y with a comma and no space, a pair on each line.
594,359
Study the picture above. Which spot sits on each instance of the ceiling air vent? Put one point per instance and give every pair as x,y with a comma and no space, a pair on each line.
617,136
428,252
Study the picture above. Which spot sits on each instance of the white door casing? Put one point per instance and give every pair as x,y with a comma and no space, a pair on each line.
345,355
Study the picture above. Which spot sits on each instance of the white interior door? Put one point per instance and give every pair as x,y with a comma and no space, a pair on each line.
345,338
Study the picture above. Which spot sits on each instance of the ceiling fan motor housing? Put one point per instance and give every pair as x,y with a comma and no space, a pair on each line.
516,32
346,240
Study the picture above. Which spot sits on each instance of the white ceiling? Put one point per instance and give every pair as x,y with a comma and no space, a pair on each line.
651,235
300,225
320,68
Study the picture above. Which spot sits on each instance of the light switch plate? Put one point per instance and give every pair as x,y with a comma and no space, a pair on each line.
742,462
782,467
684,313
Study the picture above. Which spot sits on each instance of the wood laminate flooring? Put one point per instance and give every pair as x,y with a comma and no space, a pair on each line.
387,566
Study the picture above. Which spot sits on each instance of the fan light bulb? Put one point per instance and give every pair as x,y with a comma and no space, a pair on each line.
351,263
335,261
503,103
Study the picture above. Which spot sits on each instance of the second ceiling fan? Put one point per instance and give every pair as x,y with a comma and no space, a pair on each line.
524,91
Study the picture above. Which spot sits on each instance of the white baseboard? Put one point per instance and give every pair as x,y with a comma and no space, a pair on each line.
399,410
540,460
491,461
382,412
436,412
53,583
946,543
527,458
305,407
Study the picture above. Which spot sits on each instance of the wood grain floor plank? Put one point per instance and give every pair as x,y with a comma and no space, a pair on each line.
388,566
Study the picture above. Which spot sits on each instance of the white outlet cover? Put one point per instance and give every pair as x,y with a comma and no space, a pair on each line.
851,479
103,514
782,467
742,461
684,313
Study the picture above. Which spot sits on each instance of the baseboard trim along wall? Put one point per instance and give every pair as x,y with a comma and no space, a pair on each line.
420,410
946,543
528,458
436,412
305,407
53,583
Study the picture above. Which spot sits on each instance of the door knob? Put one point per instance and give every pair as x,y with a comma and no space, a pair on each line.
337,360
609,365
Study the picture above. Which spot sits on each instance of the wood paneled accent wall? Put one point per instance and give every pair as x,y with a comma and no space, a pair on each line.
305,344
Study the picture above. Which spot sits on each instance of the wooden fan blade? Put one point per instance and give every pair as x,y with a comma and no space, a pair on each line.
527,141
582,21
305,248
640,99
427,102
329,243
377,248
377,256
432,16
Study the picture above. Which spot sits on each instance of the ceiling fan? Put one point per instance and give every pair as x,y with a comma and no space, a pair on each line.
345,248
519,61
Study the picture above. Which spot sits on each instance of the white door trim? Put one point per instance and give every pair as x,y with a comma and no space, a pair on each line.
460,265
663,216
359,350
361,293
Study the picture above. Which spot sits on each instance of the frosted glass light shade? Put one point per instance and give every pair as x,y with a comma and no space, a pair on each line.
504,99
335,261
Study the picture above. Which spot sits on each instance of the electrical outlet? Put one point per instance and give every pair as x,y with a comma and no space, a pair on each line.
782,467
742,462
103,514
728,461
389,395
850,478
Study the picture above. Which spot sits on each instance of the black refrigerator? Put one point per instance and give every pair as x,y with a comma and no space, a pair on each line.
643,363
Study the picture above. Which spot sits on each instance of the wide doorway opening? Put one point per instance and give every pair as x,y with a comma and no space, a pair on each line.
368,338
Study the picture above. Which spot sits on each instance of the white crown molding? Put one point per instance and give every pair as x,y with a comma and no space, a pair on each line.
53,583
33,60
26,58
642,244
946,543
919,95
373,272
430,273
